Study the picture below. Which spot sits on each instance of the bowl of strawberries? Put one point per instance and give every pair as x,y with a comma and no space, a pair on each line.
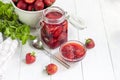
30,11
73,51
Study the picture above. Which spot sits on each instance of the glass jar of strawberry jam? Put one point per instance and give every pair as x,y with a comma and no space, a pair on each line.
54,31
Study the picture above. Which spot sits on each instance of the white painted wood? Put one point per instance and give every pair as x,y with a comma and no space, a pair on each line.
36,70
111,14
97,63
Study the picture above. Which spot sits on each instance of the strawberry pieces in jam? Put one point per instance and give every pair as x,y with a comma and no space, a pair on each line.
54,34
73,51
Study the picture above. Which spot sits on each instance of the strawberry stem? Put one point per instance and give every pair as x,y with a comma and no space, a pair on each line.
88,41
33,53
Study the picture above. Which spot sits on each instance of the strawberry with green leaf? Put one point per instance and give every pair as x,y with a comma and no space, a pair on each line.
30,58
89,43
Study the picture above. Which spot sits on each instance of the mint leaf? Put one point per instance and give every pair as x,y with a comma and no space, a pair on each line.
10,25
32,37
24,39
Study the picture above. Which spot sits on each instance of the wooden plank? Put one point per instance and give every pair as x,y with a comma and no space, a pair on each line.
36,70
97,64
111,14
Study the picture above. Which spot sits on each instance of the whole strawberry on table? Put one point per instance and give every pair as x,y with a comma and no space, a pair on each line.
51,68
30,58
89,43
33,5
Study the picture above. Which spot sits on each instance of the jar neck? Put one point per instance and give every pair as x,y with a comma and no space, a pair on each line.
56,15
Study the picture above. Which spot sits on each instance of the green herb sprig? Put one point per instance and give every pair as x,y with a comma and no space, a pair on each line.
10,25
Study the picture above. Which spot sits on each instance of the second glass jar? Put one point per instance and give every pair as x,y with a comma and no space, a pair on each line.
54,30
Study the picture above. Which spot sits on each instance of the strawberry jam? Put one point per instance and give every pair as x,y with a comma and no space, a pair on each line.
54,15
54,31
73,51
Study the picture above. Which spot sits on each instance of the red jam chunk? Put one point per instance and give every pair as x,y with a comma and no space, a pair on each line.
72,51
54,35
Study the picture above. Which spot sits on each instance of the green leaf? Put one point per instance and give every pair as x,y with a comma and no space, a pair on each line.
13,36
32,37
10,25
7,32
24,39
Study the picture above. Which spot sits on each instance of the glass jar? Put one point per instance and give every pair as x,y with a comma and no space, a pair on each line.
54,31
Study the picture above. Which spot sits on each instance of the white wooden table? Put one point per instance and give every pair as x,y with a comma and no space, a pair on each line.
101,63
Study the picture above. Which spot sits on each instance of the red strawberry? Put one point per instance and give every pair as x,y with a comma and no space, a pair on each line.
30,58
51,69
47,31
39,0
68,51
31,7
89,43
79,53
52,1
22,5
49,2
52,41
67,48
69,55
39,5
63,37
58,31
29,1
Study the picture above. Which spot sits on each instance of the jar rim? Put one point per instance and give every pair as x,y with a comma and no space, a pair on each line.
57,9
